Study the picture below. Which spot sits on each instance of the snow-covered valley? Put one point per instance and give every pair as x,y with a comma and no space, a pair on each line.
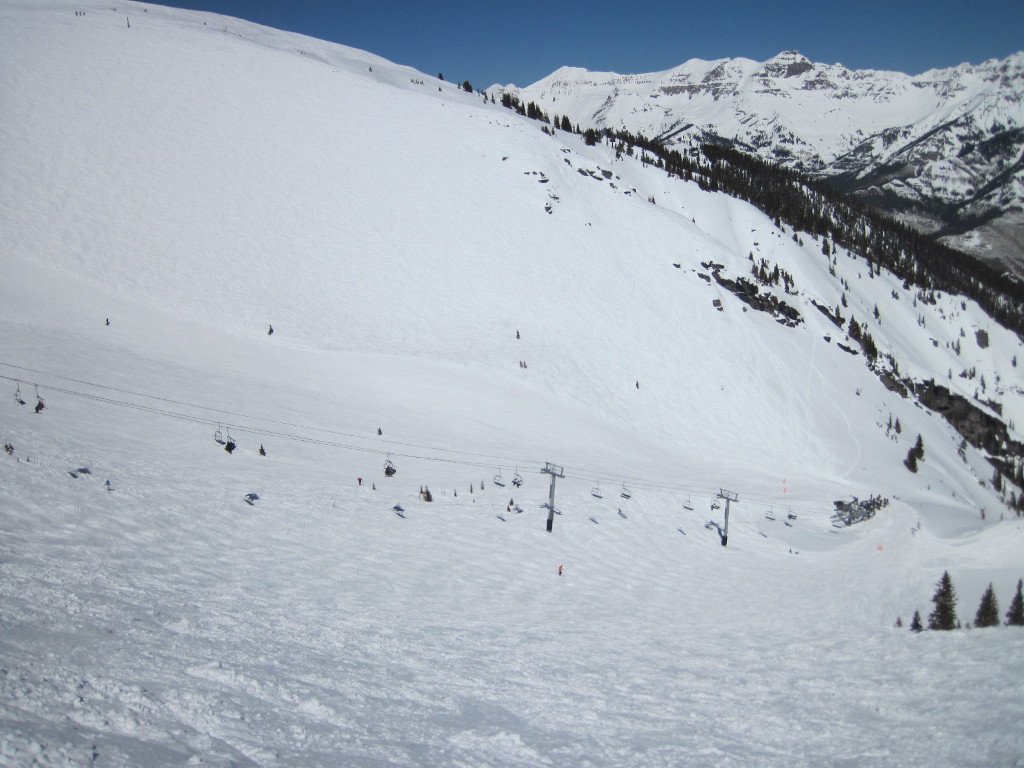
461,294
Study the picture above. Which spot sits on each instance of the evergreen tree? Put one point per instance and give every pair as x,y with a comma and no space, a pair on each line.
911,460
944,615
988,610
1015,616
915,454
915,624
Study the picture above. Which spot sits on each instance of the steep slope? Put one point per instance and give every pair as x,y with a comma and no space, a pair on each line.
944,147
469,298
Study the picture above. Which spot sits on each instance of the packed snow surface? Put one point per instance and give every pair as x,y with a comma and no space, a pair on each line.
455,292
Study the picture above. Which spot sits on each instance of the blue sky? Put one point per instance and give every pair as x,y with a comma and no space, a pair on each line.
521,41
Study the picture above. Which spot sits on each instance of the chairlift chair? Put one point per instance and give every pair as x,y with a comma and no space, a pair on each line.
596,492
389,467
498,480
218,437
17,395
517,480
688,505
625,492
770,514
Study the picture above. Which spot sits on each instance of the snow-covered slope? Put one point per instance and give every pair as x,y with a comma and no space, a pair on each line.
459,292
946,146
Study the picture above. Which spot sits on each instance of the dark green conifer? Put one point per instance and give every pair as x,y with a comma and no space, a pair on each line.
1015,616
988,610
915,624
944,615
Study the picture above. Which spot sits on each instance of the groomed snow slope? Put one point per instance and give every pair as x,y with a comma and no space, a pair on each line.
195,179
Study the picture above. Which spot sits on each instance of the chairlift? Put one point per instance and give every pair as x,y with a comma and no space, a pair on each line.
688,505
790,515
218,437
517,479
498,480
596,492
17,395
625,492
770,514
389,467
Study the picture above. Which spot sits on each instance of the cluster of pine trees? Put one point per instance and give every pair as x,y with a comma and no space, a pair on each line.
943,616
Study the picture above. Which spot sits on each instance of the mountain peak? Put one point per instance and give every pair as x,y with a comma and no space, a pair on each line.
787,64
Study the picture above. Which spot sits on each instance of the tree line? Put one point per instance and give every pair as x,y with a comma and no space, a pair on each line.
943,616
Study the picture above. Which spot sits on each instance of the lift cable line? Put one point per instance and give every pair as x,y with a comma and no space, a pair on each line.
422,452
223,412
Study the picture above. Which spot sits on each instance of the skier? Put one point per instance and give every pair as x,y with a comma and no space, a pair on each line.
40,405
270,331
360,480
559,570
263,452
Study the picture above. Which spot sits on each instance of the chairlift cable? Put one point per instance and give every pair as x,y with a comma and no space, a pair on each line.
423,454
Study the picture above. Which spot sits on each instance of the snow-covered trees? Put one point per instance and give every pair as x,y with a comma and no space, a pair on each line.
944,614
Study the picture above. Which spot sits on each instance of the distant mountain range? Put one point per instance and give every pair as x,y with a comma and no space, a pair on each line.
944,150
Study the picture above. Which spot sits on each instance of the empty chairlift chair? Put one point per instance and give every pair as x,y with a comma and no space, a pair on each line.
596,492
625,492
498,480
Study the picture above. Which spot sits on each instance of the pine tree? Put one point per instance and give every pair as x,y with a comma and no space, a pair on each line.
988,610
1015,616
944,615
915,624
911,460
915,454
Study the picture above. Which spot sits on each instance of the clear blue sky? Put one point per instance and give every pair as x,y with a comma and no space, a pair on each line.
521,41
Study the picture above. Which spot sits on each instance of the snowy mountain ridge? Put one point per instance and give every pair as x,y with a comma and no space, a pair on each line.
944,147
216,234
